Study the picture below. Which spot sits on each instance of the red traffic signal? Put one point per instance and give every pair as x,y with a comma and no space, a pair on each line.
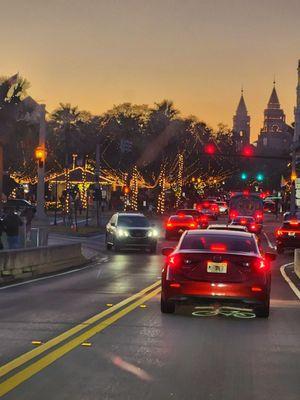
210,149
248,151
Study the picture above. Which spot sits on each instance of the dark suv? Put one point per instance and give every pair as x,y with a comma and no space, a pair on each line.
130,230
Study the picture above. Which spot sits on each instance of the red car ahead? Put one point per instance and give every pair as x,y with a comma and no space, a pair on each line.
249,222
177,224
217,266
200,218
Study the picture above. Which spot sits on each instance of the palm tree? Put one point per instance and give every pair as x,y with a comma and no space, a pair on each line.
12,91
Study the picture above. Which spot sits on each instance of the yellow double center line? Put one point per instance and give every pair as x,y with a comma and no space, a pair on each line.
63,348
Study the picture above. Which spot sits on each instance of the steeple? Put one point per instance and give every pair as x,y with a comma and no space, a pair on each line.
241,109
274,101
241,124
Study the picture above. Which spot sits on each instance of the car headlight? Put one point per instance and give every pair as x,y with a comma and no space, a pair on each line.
122,232
153,233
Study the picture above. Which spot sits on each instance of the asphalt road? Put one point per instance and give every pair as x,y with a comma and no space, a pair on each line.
131,350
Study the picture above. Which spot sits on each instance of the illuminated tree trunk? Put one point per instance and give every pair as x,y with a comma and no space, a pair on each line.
1,171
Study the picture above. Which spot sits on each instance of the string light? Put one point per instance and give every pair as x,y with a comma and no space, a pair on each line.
135,189
84,190
180,180
162,195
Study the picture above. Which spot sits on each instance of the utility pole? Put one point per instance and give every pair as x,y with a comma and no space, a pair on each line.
295,144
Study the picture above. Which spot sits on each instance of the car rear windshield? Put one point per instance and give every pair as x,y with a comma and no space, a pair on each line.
133,221
225,243
292,226
188,212
184,218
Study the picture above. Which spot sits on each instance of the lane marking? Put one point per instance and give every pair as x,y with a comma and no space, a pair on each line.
288,280
270,244
22,376
17,362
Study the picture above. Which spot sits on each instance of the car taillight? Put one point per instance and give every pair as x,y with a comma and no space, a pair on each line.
174,261
243,221
218,247
192,225
293,222
260,265
233,214
258,215
253,227
204,218
279,232
169,225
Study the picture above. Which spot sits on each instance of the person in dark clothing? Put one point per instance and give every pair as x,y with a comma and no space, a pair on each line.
1,231
12,223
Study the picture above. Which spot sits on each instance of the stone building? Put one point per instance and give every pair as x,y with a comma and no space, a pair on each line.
276,135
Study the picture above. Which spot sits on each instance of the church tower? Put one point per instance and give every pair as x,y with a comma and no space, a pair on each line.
241,125
275,134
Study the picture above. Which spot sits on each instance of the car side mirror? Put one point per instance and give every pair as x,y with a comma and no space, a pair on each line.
167,251
112,224
270,256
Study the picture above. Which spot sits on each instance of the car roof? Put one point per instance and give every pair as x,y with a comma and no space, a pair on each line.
212,232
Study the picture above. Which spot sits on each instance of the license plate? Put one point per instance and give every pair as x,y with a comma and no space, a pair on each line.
217,267
292,233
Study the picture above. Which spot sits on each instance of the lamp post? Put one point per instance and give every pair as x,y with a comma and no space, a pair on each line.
41,222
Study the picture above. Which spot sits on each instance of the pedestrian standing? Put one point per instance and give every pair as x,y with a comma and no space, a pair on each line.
12,223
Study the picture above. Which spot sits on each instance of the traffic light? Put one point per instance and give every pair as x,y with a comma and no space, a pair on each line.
248,151
210,149
244,176
260,177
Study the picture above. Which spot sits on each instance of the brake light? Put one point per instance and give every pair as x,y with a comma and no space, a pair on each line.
253,227
260,265
206,204
204,218
181,215
258,215
175,285
233,214
218,247
246,192
243,221
256,289
169,224
174,260
293,222
192,225
279,232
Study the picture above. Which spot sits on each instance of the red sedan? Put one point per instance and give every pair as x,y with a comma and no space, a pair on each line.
177,224
210,266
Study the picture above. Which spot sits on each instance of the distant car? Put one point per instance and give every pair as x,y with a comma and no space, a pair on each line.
223,207
208,206
130,230
200,218
269,206
288,235
211,216
251,224
177,224
235,228
209,266
19,205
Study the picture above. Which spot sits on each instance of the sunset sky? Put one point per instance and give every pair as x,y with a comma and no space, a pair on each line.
198,53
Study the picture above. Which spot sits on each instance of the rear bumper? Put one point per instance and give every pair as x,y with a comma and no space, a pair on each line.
289,242
194,292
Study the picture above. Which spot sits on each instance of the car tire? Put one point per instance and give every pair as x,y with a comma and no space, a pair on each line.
280,249
263,311
167,307
116,247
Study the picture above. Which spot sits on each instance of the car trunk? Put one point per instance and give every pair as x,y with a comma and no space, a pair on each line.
224,267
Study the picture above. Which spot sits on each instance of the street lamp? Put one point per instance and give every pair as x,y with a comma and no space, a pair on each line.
40,155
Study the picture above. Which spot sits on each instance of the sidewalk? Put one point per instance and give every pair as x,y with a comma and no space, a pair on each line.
289,271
